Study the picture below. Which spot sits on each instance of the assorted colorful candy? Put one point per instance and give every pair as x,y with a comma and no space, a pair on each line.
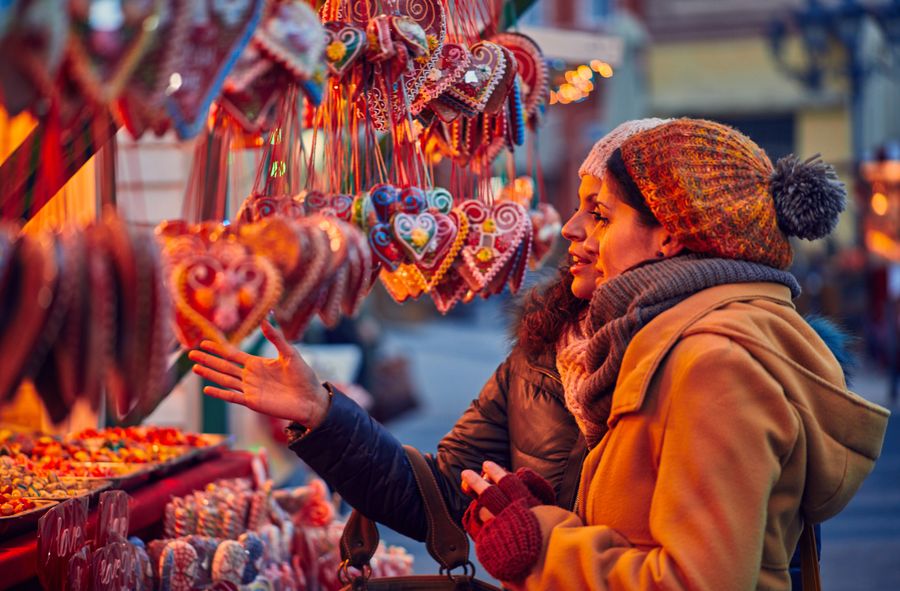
10,505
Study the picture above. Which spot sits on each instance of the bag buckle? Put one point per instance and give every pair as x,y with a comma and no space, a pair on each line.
468,571
348,578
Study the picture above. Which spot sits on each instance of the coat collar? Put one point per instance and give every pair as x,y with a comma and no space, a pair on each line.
653,342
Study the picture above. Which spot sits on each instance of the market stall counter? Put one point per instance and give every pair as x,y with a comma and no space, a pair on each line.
19,553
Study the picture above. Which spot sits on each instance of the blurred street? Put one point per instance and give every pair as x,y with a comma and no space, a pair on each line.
453,358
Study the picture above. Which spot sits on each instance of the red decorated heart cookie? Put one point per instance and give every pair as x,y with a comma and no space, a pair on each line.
451,65
532,69
495,233
222,297
486,71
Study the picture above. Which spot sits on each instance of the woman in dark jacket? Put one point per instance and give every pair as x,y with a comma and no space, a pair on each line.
519,419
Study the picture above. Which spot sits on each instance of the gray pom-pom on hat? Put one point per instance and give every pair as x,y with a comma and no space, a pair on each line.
808,196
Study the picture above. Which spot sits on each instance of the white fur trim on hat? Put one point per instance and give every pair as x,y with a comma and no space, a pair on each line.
595,163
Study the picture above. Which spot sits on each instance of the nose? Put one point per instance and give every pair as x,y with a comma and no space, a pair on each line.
575,229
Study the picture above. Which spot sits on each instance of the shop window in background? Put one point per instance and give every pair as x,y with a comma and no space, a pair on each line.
773,133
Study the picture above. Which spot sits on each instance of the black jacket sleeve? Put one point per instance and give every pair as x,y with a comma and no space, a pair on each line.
366,464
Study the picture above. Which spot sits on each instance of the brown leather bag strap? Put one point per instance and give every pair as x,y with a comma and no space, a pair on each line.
359,540
446,542
809,561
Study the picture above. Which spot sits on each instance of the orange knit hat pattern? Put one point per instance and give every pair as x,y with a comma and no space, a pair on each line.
715,190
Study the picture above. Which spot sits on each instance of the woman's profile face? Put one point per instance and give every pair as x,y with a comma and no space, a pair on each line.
619,238
576,230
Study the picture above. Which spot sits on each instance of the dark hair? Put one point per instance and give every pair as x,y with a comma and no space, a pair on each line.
546,312
630,193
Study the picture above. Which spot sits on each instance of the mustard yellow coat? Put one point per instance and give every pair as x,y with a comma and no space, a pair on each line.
730,419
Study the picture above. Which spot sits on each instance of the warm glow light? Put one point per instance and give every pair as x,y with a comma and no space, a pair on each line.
585,73
571,76
596,65
605,70
553,97
879,203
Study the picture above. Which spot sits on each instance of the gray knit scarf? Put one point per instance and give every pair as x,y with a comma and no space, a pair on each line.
622,306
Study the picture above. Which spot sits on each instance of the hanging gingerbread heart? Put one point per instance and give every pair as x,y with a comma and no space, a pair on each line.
499,96
218,33
360,279
412,200
381,43
293,36
494,235
532,68
450,67
486,71
295,308
142,103
415,233
385,201
339,206
257,207
402,75
279,240
384,249
344,44
439,200
222,297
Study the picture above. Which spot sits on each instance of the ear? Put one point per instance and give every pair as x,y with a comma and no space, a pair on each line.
670,246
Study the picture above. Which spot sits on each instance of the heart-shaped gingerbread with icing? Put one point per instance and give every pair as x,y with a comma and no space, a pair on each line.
222,297
494,235
344,44
451,65
415,233
485,72
335,205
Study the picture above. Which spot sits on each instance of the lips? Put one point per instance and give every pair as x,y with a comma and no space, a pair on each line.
576,263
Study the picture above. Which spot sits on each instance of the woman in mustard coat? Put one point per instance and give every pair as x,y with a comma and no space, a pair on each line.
719,424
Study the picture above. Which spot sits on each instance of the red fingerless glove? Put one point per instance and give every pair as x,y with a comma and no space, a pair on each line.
509,544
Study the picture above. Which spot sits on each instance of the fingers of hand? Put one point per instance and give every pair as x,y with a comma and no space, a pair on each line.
226,351
476,483
216,363
218,377
276,337
494,472
226,395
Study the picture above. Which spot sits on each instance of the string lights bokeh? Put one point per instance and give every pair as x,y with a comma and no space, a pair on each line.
579,82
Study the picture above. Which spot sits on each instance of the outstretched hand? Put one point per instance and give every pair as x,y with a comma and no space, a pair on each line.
284,387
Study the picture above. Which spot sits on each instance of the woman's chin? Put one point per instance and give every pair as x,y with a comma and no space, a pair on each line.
582,288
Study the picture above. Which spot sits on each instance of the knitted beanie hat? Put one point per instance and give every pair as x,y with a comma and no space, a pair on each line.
715,190
595,163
